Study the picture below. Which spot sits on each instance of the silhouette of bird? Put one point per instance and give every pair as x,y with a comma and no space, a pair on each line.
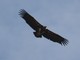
41,30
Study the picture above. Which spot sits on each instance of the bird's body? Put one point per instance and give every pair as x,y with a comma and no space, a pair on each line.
41,30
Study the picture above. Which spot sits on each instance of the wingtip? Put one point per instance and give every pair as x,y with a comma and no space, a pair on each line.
64,42
22,12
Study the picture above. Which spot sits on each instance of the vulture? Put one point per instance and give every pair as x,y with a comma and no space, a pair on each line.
41,30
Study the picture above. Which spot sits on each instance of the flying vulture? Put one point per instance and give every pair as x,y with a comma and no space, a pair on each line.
41,30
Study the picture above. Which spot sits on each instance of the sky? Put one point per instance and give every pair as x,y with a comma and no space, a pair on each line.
17,41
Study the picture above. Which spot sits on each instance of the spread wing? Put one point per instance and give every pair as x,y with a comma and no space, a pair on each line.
55,37
30,20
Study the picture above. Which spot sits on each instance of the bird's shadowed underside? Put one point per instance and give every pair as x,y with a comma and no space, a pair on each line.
41,30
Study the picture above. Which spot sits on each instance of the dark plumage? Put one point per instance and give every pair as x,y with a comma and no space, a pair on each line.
41,30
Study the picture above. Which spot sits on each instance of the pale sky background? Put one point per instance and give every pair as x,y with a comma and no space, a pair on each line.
17,41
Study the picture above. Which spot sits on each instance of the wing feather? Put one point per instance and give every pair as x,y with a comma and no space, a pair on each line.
30,20
55,37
